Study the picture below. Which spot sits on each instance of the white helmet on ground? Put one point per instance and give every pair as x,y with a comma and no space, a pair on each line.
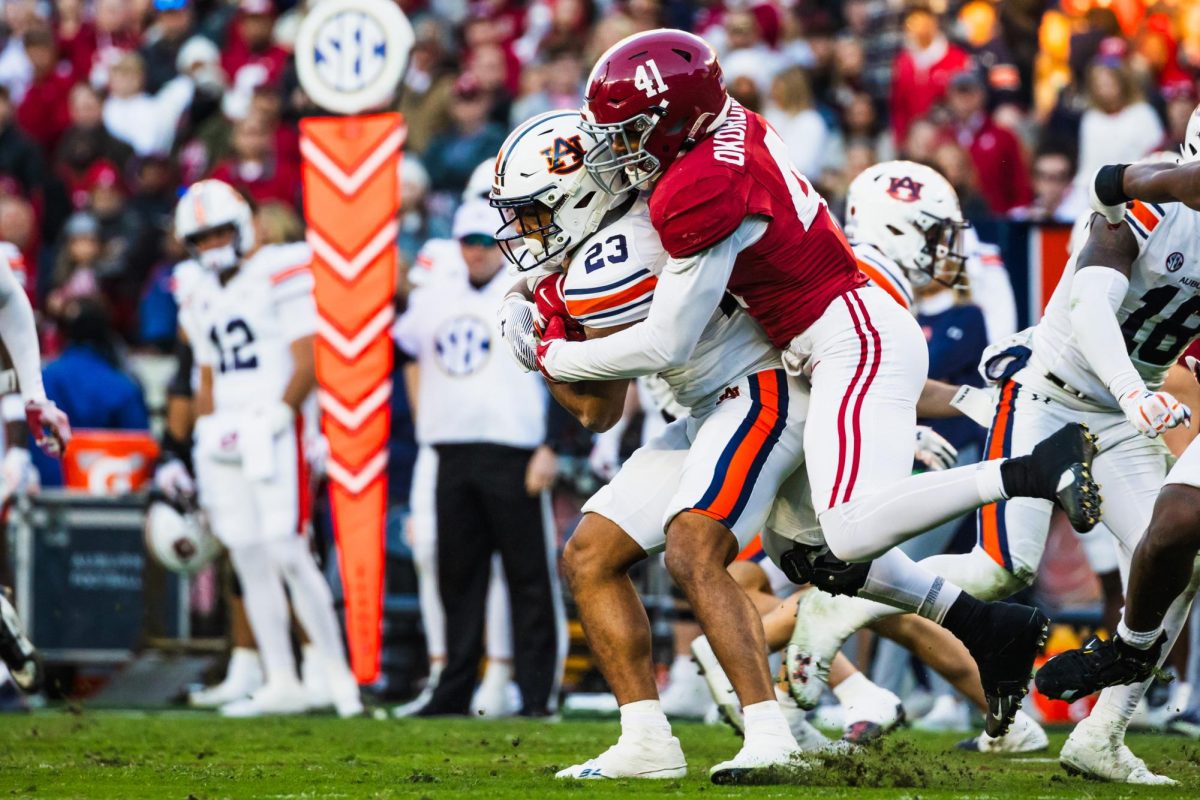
206,206
179,540
1190,149
548,201
911,213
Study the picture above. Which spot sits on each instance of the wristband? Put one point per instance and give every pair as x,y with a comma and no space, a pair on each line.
1110,189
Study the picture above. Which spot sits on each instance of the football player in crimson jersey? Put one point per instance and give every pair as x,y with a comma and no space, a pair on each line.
735,216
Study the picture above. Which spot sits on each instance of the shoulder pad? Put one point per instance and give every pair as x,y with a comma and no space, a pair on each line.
692,215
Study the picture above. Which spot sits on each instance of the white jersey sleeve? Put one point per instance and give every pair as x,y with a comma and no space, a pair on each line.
991,288
611,278
883,272
19,331
291,281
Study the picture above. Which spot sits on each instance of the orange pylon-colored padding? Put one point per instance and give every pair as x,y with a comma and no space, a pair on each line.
351,196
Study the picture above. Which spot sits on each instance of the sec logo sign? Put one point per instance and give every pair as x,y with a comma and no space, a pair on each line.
1174,261
350,54
463,345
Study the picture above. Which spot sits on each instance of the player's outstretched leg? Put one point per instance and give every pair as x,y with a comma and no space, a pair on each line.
1059,469
596,563
16,651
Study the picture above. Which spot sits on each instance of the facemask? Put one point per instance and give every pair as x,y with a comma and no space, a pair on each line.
219,259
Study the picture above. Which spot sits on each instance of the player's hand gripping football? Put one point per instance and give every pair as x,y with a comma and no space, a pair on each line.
1154,412
552,321
49,426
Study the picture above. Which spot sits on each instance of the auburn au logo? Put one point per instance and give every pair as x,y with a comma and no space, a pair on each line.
905,189
565,156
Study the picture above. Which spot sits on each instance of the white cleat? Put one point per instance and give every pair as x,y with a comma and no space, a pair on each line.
1095,753
948,715
273,699
754,762
1025,736
818,636
876,714
315,680
344,691
416,704
808,737
687,695
649,755
243,677
719,686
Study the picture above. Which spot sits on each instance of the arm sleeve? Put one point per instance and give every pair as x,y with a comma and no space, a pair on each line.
406,331
688,292
19,331
1097,333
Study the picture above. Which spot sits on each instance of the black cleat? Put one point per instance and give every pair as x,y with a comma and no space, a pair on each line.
1059,470
16,651
1095,666
1015,635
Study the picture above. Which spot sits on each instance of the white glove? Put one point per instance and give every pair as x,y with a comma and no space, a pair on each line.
172,479
1154,412
275,417
1114,214
605,458
17,475
515,321
933,450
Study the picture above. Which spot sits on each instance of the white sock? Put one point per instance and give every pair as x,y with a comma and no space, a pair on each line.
644,716
313,602
1142,640
498,671
871,524
766,720
433,614
266,609
312,668
243,664
854,689
899,581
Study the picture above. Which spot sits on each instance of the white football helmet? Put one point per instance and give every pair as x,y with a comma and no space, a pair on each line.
548,201
1190,149
179,540
206,206
911,213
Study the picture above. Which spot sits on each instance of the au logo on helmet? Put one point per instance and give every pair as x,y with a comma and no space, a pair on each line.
905,189
566,156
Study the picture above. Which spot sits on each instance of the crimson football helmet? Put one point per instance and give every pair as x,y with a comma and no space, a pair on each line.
648,98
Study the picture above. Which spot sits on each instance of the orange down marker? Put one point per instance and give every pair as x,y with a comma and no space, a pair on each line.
351,198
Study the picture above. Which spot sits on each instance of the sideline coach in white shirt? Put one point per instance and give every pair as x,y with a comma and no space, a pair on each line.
487,421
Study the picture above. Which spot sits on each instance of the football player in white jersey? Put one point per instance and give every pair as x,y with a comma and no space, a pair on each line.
1157,256
1121,315
50,428
255,319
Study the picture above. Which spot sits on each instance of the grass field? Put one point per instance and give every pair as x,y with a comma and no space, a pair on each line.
53,754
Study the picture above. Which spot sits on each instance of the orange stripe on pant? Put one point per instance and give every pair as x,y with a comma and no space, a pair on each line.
989,515
721,508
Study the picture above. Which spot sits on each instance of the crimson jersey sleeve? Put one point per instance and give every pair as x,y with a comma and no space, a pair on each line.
693,214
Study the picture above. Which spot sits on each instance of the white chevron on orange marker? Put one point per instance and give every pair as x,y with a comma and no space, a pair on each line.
349,270
350,183
351,348
355,482
352,418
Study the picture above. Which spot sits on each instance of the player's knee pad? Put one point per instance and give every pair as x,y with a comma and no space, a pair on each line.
817,565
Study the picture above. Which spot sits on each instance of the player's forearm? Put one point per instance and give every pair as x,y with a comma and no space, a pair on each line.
19,330
688,292
1163,183
204,392
1096,294
304,373
596,404
934,402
